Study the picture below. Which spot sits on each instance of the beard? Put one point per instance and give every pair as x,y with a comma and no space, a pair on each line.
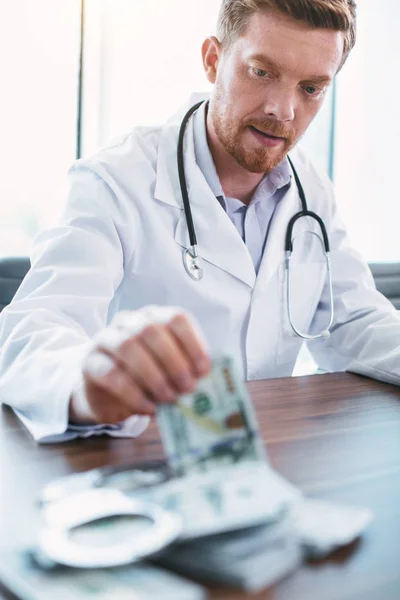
230,133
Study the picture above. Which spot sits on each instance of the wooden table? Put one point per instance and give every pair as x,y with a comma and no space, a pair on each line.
335,436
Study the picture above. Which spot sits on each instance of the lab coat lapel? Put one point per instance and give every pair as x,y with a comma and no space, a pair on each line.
218,239
219,242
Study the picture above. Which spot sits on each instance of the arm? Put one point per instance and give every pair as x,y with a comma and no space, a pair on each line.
366,331
63,302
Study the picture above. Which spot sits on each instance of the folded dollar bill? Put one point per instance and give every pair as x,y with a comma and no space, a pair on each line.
212,427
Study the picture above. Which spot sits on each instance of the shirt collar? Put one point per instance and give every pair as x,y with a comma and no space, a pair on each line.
271,182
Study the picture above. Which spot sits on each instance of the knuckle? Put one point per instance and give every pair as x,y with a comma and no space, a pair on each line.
180,321
112,377
159,385
152,332
179,365
128,345
163,392
183,377
137,396
145,407
116,381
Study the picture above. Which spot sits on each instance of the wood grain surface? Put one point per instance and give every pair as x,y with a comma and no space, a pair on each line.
335,436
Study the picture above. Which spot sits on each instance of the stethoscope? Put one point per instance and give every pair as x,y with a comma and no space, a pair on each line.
191,259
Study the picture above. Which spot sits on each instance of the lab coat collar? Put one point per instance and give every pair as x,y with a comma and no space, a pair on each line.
167,184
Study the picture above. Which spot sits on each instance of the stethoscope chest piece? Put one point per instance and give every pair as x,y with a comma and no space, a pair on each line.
192,265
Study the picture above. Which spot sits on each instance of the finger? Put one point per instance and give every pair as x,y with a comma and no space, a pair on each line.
143,368
189,340
136,360
183,326
166,351
103,371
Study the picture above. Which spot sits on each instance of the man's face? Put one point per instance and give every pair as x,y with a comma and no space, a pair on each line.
271,80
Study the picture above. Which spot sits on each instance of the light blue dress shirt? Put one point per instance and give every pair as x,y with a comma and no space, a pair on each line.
253,221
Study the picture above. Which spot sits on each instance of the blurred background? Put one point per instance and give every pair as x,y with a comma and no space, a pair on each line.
141,60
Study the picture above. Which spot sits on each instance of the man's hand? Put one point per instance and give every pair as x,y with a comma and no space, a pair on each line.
142,358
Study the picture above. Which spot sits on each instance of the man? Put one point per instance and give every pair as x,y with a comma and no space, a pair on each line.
92,343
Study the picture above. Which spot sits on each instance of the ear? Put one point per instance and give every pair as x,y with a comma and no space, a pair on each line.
211,53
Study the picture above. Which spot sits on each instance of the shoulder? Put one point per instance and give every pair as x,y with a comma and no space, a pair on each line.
107,184
126,154
312,175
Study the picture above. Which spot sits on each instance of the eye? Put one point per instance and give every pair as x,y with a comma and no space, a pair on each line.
260,72
311,90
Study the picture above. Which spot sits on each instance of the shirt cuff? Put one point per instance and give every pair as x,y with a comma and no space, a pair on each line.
131,428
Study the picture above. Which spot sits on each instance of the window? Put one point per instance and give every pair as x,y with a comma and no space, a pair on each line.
133,78
39,49
367,134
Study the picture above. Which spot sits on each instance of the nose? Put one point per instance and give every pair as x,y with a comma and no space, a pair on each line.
280,104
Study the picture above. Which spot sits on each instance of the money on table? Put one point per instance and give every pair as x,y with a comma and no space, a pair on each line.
232,505
27,581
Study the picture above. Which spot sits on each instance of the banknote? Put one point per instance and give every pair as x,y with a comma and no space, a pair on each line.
225,499
324,526
27,581
251,558
212,427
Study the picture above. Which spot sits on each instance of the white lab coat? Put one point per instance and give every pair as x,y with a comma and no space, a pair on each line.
119,247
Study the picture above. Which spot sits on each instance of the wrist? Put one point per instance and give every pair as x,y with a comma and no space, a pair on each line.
79,410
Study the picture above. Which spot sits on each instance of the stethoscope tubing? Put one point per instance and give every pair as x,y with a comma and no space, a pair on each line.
191,258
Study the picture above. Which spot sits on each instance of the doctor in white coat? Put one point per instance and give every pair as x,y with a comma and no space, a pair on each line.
108,322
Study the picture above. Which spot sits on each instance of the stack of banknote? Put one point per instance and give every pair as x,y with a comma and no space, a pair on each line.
237,511
250,559
243,524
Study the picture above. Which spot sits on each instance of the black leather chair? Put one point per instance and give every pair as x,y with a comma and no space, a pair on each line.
12,272
387,280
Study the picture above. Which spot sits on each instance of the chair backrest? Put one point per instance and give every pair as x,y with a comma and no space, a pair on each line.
387,280
12,272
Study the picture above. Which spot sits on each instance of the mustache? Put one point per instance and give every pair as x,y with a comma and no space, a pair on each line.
273,127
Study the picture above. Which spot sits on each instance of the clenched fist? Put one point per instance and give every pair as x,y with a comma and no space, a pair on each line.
144,357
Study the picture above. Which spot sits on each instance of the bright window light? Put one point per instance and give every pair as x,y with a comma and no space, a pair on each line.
39,44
